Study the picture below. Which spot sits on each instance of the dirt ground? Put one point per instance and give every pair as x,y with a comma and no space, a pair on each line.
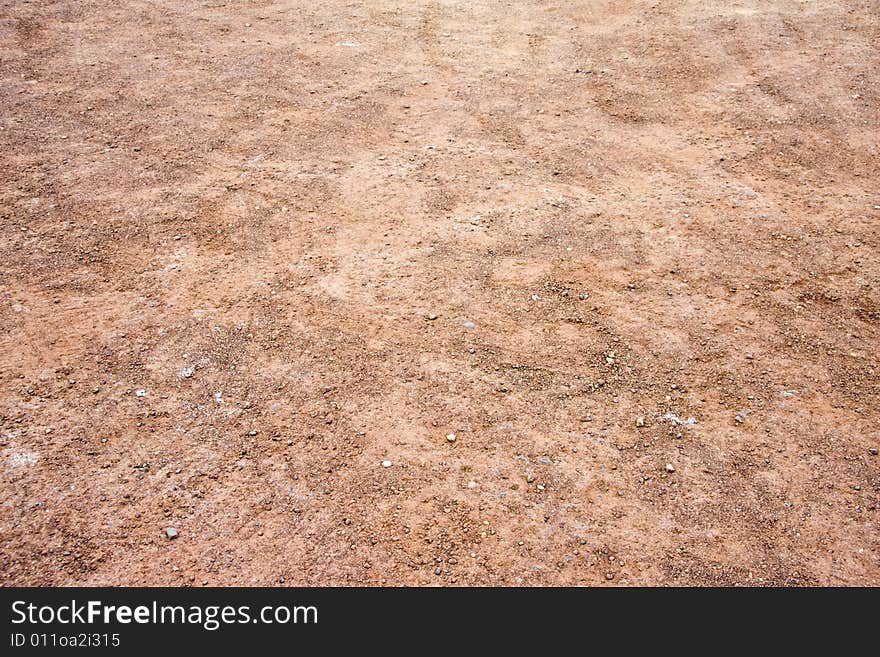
439,292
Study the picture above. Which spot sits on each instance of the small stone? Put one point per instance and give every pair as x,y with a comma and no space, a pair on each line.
530,478
609,576
387,464
171,533
470,325
140,393
450,437
640,421
431,317
186,372
670,467
873,451
545,460
472,484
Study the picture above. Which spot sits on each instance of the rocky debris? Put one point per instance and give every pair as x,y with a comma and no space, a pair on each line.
431,316
140,392
740,417
640,421
545,460
171,533
672,417
387,464
186,372
670,468
21,459
450,437
873,451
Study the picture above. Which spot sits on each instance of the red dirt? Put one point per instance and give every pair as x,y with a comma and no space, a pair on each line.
642,207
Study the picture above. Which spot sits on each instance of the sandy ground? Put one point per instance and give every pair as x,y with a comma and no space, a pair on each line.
626,252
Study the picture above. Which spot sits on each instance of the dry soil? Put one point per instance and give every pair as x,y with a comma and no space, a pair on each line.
255,252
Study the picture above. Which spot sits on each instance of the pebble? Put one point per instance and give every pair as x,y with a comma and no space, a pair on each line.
873,451
640,421
609,576
545,460
470,325
431,317
530,478
140,393
472,484
186,372
670,467
171,533
387,464
450,437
